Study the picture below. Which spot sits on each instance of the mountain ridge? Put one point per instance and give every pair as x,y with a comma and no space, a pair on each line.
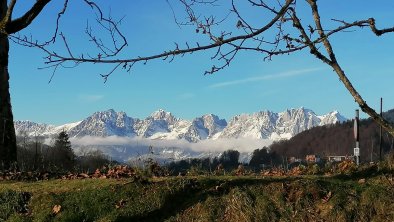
163,125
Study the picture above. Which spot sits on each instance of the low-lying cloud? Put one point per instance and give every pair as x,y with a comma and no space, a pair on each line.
209,145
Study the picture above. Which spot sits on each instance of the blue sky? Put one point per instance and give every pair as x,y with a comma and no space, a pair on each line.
248,85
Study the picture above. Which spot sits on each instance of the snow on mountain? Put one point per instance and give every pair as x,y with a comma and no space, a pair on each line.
162,115
294,121
213,124
162,125
257,126
332,117
103,124
276,126
204,127
25,127
66,127
158,125
41,129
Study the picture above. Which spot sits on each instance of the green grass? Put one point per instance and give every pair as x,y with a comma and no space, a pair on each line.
200,199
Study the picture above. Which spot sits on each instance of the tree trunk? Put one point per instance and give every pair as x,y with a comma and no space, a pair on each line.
7,130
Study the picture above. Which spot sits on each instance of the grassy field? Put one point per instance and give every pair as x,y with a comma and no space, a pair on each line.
244,198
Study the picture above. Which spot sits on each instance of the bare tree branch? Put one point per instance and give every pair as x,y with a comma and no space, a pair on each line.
112,30
341,74
57,58
59,16
24,21
377,31
10,10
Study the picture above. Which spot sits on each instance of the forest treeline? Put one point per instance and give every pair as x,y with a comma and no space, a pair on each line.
36,155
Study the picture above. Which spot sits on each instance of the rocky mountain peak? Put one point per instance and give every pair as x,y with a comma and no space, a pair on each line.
163,115
211,120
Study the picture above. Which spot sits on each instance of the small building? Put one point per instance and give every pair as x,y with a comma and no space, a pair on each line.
312,158
339,158
294,160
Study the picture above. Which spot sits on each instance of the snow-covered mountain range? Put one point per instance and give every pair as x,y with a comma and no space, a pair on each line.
127,139
162,125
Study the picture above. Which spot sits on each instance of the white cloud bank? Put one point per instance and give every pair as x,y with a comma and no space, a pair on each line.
217,145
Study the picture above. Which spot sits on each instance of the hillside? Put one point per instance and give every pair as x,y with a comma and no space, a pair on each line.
337,139
310,198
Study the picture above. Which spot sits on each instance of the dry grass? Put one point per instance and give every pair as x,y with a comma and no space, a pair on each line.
200,198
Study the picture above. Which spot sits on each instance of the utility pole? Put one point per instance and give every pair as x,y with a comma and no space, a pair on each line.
356,137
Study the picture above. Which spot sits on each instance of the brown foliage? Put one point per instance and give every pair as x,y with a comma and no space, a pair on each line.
24,176
346,166
273,172
115,172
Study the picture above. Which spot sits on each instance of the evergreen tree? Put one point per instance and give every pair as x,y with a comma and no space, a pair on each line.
229,159
260,156
64,156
